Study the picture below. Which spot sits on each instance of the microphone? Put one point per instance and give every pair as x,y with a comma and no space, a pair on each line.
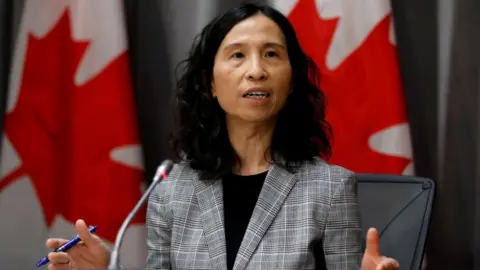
162,172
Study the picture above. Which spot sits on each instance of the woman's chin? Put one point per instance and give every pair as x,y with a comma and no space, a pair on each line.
257,117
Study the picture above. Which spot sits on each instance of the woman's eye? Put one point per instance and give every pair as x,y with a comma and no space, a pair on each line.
237,55
271,54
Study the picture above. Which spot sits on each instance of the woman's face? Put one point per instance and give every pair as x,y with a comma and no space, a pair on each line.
252,73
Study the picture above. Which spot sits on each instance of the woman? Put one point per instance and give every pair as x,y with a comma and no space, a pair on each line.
252,189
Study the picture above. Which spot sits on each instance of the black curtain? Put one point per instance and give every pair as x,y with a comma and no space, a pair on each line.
456,228
151,76
417,43
454,235
416,30
6,34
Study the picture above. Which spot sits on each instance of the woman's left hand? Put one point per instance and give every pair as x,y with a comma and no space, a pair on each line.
372,259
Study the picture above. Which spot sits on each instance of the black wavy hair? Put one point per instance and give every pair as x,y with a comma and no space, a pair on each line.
301,132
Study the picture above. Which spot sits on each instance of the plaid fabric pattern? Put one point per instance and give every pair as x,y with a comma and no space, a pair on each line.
185,221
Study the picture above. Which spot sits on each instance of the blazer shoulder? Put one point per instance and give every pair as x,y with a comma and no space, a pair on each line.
179,178
324,171
330,178
179,171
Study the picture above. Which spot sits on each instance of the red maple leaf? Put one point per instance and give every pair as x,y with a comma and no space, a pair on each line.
64,133
364,93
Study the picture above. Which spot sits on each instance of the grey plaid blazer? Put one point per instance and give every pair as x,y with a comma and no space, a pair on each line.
185,221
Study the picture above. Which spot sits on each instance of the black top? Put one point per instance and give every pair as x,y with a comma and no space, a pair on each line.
240,195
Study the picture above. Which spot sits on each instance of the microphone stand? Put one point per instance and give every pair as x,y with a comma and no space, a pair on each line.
162,171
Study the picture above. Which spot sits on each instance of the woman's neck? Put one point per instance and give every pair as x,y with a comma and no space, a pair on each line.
251,142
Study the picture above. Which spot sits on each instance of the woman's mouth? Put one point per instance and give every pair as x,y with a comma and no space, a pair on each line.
256,95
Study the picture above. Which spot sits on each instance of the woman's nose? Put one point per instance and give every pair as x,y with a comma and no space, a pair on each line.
256,71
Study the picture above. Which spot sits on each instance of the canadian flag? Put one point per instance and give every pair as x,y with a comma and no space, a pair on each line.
70,145
353,44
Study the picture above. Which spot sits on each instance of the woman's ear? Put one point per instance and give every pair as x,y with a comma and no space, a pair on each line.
212,87
214,94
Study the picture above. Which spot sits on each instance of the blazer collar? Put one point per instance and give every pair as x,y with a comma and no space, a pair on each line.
276,188
210,199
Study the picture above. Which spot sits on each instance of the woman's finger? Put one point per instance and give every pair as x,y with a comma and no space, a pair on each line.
63,266
58,258
76,253
55,243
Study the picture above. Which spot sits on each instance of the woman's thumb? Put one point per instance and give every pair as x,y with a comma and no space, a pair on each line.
372,243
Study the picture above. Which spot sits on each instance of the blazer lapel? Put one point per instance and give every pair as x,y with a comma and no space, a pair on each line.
210,200
276,188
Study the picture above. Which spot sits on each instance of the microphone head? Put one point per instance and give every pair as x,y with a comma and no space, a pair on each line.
164,169
167,166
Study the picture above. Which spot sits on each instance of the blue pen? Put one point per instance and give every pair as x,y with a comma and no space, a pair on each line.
66,246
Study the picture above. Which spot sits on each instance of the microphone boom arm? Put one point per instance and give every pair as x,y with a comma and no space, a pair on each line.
160,174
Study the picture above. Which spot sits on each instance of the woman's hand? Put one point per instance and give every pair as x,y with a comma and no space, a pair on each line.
90,253
372,259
